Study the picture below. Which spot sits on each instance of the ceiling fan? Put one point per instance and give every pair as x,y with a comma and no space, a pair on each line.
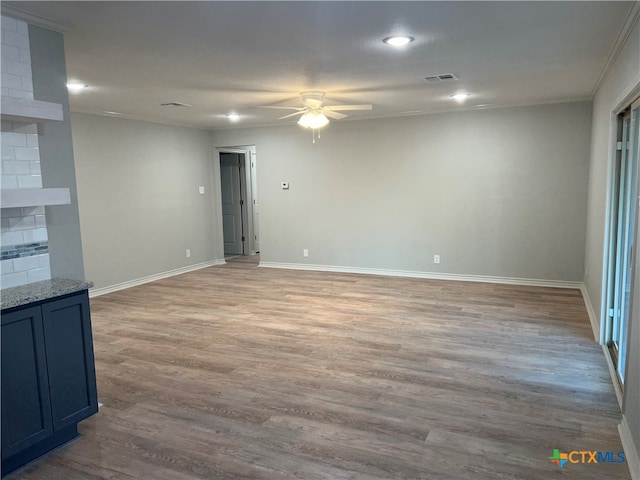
314,113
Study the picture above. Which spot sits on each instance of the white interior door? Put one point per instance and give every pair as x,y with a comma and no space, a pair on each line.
231,192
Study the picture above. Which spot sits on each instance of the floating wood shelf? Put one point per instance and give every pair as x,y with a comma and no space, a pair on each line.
29,111
33,197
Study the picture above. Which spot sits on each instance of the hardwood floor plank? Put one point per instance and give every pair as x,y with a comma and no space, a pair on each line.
236,372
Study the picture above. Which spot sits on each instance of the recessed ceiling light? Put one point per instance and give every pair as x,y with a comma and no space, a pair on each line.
460,97
399,41
76,86
233,117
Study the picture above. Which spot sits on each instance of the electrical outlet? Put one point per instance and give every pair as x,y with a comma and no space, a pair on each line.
188,253
201,190
305,253
436,259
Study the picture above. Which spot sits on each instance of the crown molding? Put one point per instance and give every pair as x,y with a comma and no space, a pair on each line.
31,19
621,40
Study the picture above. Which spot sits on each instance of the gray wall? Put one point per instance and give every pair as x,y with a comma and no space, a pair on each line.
495,192
56,153
139,203
615,91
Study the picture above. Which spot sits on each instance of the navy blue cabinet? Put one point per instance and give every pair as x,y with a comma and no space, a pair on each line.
26,408
48,376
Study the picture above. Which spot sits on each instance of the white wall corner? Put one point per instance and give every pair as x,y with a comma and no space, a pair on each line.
593,318
630,449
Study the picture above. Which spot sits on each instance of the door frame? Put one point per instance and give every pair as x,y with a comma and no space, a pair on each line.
629,100
247,195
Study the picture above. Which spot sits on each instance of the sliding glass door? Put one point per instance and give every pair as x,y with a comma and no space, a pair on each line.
623,237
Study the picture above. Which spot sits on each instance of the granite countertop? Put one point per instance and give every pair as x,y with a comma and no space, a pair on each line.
38,291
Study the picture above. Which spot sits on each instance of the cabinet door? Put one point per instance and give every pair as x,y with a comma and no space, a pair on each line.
26,407
69,344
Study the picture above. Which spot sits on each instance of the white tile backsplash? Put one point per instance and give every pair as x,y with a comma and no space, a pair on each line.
9,24
23,28
20,163
12,167
8,153
29,181
43,260
19,68
39,210
25,263
24,55
13,238
10,53
12,139
9,181
12,212
19,93
14,279
22,223
39,274
35,235
27,153
6,266
12,82
15,39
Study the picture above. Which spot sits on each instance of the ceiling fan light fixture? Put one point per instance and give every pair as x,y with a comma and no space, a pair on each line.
398,41
313,120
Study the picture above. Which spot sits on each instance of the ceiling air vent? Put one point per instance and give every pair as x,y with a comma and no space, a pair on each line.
174,104
442,77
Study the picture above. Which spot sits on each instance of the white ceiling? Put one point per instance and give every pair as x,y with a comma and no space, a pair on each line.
226,57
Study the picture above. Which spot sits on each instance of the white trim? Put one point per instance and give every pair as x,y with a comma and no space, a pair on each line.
630,450
613,373
621,40
96,292
36,20
593,318
429,275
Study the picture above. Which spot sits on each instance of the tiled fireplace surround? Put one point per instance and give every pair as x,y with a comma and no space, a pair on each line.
24,252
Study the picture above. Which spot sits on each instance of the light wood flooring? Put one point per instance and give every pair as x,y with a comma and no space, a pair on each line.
239,372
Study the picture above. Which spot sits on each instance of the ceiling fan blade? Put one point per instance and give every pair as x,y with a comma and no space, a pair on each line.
336,108
290,115
281,108
334,115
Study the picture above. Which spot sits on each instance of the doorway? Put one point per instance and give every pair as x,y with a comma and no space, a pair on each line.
232,194
240,209
622,238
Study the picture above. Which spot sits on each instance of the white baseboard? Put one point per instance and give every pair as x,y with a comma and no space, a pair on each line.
96,292
630,449
614,375
429,275
593,318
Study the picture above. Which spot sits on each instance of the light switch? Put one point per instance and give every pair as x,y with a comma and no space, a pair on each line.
201,190
284,185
